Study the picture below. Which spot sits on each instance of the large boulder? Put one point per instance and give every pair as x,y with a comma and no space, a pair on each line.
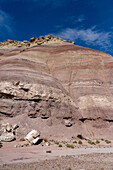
7,137
7,132
33,137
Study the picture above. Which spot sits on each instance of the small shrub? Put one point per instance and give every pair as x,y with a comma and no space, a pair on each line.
97,141
58,164
80,142
69,168
45,139
48,151
56,142
91,142
60,145
102,139
75,141
107,141
22,139
70,146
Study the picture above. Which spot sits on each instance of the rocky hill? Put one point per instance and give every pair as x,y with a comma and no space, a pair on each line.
56,87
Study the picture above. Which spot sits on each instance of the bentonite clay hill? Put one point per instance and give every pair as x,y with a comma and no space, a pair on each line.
56,87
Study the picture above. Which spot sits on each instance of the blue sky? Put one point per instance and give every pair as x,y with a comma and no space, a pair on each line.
88,22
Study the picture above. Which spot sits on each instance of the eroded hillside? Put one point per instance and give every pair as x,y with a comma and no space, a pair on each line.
56,87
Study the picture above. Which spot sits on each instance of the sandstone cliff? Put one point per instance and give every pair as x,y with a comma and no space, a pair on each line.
56,87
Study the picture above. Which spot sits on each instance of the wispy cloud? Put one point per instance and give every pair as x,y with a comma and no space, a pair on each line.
90,36
81,18
74,20
5,24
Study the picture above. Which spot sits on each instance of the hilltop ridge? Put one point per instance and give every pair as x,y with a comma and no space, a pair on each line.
34,41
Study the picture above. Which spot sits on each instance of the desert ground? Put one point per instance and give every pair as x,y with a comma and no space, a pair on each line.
53,157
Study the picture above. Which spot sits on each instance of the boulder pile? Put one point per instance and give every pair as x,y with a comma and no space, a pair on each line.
7,132
33,41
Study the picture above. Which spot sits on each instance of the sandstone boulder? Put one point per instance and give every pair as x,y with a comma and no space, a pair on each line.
32,39
7,137
48,36
68,123
73,42
33,136
7,132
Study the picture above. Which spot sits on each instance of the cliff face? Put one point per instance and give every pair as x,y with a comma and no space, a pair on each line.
57,87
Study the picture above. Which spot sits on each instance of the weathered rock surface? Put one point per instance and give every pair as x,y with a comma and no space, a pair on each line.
7,132
7,137
33,41
33,137
58,88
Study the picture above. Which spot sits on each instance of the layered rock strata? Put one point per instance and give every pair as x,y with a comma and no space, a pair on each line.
57,85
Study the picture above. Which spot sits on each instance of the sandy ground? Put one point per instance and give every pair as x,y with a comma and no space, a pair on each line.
79,162
36,157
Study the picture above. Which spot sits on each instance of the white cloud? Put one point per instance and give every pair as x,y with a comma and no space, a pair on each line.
75,19
5,24
89,36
